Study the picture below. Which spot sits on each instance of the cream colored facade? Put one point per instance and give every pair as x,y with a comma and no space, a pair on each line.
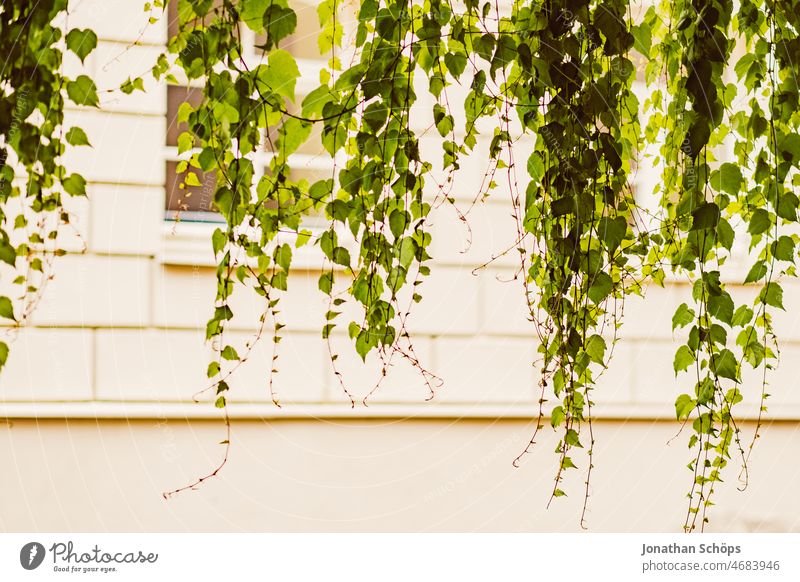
99,387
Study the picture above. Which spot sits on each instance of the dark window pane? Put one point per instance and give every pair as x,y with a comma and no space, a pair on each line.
172,18
190,198
177,95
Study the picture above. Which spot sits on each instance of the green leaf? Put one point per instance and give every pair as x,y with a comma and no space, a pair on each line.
252,13
572,438
703,424
705,216
683,316
759,222
642,38
326,282
725,234
783,248
213,369
81,42
789,147
725,365
408,250
398,221
77,137
314,103
727,179
734,396
772,294
185,109
74,185
225,112
82,91
363,345
280,74
744,64
757,272
218,241
293,134
131,85
602,285
596,348
563,206
566,463
612,231
557,416
684,358
443,121
7,309
536,167
270,16
718,335
280,280
697,137
455,63
3,354
229,353
684,406
303,237
721,307
787,206
8,253
283,256
341,256
279,22
192,179
185,142
742,316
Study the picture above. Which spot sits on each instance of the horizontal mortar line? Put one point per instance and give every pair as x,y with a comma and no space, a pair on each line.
133,43
117,410
114,111
122,111
495,269
95,182
112,255
285,332
310,330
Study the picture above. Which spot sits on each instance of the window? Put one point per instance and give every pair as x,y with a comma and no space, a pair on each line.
310,162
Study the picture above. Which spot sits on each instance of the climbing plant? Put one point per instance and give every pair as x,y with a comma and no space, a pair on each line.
33,179
592,91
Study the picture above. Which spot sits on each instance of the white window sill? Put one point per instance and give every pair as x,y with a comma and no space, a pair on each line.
188,243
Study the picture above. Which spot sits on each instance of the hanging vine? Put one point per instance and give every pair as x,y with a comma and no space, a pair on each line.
33,180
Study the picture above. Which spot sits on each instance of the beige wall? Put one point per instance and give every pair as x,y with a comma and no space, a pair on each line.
119,335
378,475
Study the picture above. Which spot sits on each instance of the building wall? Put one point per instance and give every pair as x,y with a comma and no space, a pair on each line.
370,475
99,386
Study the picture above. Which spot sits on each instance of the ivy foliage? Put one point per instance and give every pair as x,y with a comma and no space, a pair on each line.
704,91
33,180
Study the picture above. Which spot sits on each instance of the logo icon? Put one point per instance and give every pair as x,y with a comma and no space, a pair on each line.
31,555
